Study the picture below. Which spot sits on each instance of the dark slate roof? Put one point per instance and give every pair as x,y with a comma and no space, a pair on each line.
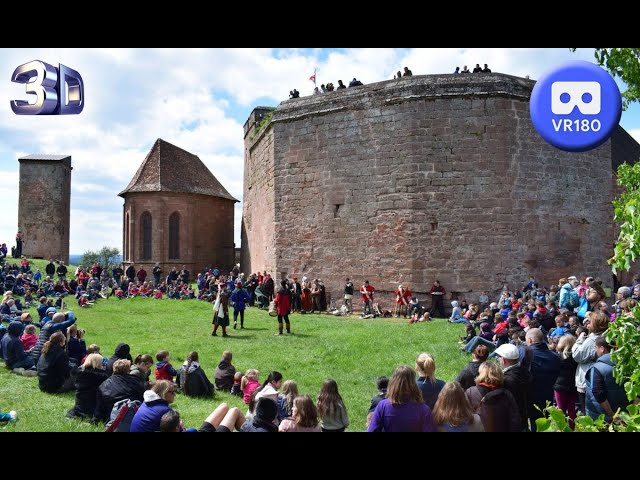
168,168
55,158
624,148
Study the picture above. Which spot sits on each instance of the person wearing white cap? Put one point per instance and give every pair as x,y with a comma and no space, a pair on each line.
516,378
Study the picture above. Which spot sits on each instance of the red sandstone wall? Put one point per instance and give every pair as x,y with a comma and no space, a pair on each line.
258,215
206,230
415,180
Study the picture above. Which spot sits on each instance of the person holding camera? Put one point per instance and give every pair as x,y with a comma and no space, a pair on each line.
76,346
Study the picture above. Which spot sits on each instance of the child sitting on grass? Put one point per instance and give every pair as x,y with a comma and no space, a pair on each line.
29,338
236,389
164,370
249,384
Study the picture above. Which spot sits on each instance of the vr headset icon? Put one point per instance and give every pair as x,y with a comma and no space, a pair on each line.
565,96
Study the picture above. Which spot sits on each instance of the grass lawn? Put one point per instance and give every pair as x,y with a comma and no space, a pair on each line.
352,351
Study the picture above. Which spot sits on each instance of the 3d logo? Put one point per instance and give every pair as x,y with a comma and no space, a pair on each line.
576,106
58,91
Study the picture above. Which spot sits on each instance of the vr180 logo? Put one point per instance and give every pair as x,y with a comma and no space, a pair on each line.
58,91
576,106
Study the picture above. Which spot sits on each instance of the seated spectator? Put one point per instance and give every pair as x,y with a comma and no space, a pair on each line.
8,311
141,368
54,369
294,93
76,346
495,405
427,382
59,323
453,413
270,387
249,384
225,372
465,70
164,370
486,69
222,419
407,72
88,378
156,403
286,398
354,83
485,338
477,69
122,352
192,379
304,417
456,71
266,412
382,383
331,409
466,378
42,308
456,314
340,85
29,338
119,386
15,357
404,409
236,389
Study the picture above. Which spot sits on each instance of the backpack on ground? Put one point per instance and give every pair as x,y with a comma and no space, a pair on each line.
122,415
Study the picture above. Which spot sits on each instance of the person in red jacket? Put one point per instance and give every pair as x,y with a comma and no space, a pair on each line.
283,306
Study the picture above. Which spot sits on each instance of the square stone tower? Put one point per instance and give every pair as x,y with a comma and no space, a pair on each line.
44,206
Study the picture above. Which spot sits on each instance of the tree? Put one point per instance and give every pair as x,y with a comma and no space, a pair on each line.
623,63
105,256
625,331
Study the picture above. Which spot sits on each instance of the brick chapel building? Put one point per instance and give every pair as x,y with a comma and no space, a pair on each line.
177,213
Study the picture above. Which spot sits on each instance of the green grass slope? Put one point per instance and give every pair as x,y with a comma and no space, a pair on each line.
352,351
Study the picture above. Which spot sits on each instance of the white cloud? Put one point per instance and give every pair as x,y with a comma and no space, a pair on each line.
197,99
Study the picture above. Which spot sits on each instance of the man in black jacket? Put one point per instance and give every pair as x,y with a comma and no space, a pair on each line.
120,386
50,269
516,378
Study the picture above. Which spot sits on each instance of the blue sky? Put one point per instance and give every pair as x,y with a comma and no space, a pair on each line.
197,99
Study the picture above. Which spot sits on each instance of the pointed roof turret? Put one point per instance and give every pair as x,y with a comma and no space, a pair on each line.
167,168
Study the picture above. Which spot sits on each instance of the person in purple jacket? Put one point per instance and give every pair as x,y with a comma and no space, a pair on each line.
404,409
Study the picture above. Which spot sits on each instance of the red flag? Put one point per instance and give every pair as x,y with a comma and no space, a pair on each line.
313,78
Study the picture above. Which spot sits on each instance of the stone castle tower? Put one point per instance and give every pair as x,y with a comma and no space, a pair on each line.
44,206
423,178
177,213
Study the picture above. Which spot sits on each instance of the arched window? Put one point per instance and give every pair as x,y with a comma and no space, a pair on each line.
174,236
126,238
147,228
